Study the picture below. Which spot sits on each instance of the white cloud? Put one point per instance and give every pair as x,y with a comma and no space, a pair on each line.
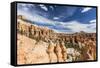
74,26
51,7
86,9
25,7
93,21
61,31
43,7
56,18
36,18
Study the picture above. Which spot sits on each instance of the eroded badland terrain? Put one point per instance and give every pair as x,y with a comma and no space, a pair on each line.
37,44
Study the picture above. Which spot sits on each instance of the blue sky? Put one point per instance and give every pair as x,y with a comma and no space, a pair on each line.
62,19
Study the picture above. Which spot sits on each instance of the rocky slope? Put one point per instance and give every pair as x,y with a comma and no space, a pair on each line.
30,51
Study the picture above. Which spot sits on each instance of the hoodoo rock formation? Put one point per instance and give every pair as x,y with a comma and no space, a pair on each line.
37,44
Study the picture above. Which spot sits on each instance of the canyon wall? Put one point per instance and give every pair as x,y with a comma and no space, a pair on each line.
37,44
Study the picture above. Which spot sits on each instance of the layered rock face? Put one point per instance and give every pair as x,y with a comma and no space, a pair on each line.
36,44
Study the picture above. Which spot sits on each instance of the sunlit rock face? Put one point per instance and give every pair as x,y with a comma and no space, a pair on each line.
37,44
31,52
